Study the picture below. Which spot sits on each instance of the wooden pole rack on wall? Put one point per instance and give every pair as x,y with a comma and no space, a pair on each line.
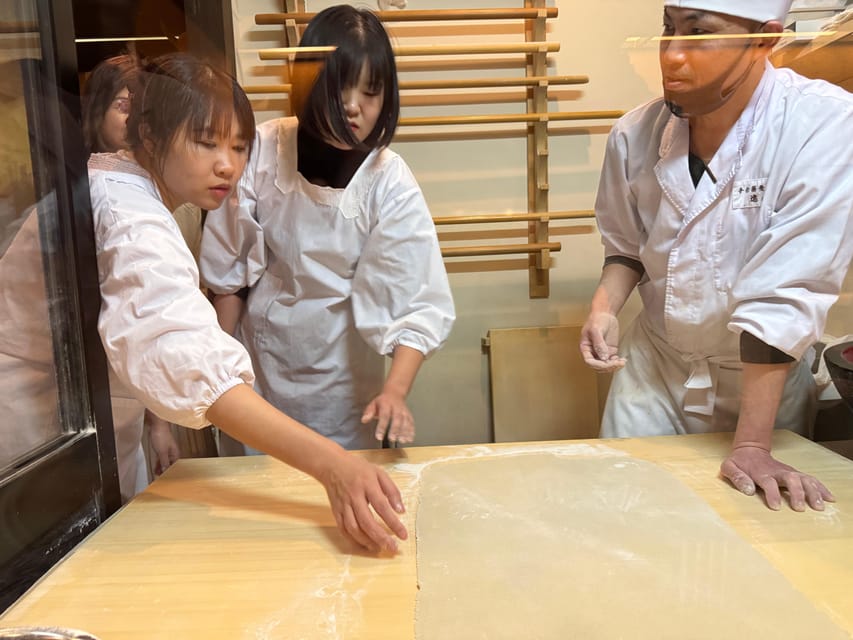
529,89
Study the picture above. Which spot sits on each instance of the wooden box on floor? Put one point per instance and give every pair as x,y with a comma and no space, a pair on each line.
541,389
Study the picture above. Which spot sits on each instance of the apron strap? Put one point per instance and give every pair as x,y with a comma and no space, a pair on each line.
701,388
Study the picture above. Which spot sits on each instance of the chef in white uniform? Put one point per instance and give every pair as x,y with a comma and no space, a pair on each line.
728,203
337,247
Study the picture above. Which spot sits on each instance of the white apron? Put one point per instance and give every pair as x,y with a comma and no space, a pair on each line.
660,393
338,277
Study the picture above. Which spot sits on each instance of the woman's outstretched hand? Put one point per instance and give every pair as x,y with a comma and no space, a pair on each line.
357,489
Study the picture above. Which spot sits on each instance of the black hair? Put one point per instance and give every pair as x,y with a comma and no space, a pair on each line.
104,83
359,38
179,93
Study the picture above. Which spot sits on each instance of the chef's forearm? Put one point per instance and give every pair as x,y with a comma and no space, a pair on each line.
761,393
616,284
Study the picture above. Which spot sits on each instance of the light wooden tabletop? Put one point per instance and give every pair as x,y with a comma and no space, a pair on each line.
247,547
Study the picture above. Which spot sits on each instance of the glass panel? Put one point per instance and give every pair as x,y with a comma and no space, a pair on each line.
28,396
57,454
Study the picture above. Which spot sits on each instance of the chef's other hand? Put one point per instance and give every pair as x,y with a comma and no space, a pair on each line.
750,466
600,342
354,486
163,443
392,416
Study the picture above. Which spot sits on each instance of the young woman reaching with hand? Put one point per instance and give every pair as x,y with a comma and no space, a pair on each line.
190,132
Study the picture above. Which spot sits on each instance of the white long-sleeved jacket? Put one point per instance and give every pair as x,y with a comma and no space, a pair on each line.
160,334
338,278
762,250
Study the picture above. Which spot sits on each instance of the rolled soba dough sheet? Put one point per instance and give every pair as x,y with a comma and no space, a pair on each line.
538,546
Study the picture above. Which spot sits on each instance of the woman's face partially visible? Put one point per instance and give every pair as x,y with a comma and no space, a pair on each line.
203,168
114,124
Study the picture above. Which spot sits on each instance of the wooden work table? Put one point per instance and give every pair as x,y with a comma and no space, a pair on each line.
247,548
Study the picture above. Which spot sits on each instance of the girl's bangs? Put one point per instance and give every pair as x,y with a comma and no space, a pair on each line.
353,56
214,111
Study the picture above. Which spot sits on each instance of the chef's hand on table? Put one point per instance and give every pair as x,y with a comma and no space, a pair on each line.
392,416
162,442
354,486
600,342
748,467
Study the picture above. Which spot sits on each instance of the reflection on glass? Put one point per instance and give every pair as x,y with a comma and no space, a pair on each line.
28,394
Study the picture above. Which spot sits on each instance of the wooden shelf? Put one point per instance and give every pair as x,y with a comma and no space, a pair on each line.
532,119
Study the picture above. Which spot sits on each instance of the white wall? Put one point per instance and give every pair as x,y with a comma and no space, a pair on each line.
608,40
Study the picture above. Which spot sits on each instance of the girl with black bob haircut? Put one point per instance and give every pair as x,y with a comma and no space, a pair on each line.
360,42
332,238
190,131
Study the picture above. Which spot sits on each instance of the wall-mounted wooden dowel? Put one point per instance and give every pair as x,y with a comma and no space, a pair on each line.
499,249
480,63
519,81
488,133
18,27
457,83
284,53
511,117
423,15
473,49
268,88
514,217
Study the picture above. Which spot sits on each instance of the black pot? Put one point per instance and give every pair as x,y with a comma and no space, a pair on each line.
839,362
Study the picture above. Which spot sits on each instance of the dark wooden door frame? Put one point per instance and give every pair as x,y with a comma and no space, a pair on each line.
52,501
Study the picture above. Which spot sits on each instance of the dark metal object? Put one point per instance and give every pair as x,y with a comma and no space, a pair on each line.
839,362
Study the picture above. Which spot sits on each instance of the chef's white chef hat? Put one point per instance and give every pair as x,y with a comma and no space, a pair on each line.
760,10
